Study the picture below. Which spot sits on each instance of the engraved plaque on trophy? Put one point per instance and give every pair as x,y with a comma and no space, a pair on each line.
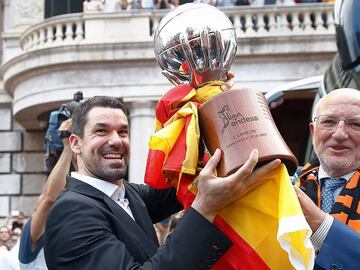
239,121
202,39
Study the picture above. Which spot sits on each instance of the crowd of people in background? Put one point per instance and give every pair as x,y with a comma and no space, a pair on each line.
10,233
117,5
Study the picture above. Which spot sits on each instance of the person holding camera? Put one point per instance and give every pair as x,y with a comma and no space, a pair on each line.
31,252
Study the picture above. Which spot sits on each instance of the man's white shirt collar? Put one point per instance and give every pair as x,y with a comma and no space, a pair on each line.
322,174
106,187
115,192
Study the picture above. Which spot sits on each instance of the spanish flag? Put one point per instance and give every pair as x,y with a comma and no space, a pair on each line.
267,226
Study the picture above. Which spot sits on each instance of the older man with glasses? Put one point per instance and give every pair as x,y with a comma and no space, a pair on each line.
330,190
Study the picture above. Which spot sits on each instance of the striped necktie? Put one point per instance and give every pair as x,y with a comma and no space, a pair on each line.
327,195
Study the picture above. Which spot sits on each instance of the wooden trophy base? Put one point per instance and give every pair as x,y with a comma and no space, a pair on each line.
238,121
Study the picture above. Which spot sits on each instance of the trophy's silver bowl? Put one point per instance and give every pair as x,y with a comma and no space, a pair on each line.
195,44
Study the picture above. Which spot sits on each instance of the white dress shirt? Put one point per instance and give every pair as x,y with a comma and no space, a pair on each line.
116,193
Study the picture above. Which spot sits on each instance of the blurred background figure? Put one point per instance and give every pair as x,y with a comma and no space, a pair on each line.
307,1
8,261
92,6
162,230
225,3
110,6
162,4
12,231
133,4
5,234
174,4
209,2
271,2
19,221
175,220
14,239
147,4
285,2
122,5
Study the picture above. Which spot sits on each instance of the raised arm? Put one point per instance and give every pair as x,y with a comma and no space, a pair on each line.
54,184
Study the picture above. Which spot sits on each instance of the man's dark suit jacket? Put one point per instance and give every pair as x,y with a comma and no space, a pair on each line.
86,229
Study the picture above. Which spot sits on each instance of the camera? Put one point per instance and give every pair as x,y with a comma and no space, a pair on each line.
53,138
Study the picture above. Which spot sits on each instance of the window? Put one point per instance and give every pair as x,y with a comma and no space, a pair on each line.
58,7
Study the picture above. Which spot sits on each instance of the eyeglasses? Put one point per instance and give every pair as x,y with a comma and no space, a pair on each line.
330,122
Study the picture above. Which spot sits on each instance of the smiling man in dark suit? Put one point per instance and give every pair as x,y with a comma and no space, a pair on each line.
103,222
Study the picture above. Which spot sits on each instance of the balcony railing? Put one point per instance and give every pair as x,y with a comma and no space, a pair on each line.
283,20
139,26
57,31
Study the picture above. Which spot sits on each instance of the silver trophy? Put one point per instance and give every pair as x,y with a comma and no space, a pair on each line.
195,44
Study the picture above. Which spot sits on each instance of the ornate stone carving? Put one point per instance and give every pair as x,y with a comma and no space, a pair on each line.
28,12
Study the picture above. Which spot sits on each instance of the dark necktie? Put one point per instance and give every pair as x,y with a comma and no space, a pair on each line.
327,195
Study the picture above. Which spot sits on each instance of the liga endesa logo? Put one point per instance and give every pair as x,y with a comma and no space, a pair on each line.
233,119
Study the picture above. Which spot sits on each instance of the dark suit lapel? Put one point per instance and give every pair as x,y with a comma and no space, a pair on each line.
138,231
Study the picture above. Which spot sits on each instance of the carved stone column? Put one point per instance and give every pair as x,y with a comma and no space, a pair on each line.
142,121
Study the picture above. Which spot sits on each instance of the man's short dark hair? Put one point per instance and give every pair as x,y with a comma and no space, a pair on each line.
79,117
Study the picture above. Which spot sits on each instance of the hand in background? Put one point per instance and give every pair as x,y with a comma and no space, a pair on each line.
65,126
229,83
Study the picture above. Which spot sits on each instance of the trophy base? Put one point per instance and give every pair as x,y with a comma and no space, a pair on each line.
238,121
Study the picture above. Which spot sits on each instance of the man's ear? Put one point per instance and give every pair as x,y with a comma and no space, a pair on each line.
312,131
75,144
312,128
